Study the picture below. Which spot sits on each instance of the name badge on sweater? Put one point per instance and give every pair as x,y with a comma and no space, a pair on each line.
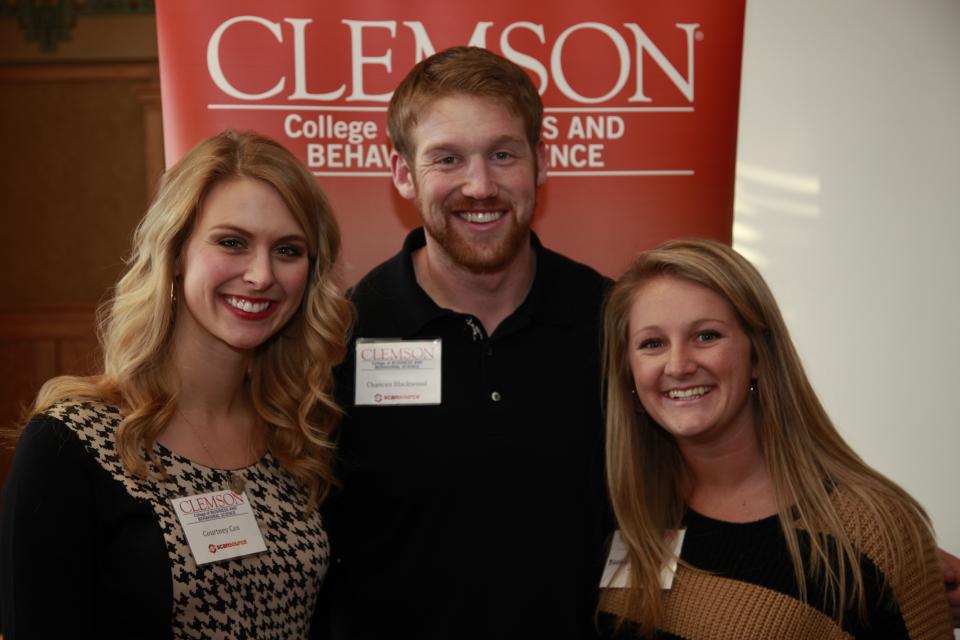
616,573
392,372
219,525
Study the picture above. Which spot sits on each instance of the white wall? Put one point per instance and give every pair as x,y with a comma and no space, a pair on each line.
848,200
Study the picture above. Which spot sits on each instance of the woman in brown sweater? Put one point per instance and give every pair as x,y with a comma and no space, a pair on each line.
722,461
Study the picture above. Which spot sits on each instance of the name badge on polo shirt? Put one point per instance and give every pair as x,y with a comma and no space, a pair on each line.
219,525
392,372
616,571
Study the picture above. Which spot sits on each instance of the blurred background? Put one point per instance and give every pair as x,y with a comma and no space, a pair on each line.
80,135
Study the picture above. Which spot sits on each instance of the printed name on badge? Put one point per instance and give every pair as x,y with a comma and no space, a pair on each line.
219,525
616,573
397,372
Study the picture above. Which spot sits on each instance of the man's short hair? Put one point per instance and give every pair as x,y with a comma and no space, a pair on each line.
469,71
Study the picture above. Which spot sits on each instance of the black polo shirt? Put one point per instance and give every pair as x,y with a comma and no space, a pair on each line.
483,516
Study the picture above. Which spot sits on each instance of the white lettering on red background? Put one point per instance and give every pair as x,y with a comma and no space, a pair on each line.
630,42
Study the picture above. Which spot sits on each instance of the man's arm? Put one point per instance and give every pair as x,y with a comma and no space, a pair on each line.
951,578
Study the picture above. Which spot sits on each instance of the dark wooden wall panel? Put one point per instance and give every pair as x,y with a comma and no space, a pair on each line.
36,344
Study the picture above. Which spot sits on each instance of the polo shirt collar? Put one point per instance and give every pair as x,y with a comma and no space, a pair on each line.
544,302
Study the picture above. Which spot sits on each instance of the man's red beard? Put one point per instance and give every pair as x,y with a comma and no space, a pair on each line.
481,257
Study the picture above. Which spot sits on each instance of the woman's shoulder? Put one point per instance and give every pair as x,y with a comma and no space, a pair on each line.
56,443
70,425
80,414
881,521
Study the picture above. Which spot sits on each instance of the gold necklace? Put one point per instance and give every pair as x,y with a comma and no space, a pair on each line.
237,482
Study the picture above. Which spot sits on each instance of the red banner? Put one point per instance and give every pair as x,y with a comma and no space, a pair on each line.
640,122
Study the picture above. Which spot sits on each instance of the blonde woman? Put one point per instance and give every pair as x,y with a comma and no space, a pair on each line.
714,429
176,493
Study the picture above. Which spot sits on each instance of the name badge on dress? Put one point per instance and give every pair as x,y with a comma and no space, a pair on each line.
392,372
616,571
219,525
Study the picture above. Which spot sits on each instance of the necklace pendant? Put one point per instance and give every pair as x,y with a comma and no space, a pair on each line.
237,482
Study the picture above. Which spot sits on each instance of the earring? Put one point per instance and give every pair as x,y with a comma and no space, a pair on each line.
753,385
173,301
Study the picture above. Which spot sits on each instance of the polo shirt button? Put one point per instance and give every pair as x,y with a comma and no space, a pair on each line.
495,396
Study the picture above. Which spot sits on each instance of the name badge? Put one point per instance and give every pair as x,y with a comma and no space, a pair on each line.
219,525
390,372
616,571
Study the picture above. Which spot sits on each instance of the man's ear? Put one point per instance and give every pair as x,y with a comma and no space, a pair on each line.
541,163
402,175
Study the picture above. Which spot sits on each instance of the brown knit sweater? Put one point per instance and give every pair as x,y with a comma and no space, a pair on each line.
743,586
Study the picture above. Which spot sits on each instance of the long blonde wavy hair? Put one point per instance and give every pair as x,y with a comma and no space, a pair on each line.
290,376
805,456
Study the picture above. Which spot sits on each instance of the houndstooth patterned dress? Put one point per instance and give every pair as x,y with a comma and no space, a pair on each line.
263,596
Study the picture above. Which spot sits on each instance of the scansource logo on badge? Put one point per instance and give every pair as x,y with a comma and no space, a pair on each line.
402,397
378,398
213,548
